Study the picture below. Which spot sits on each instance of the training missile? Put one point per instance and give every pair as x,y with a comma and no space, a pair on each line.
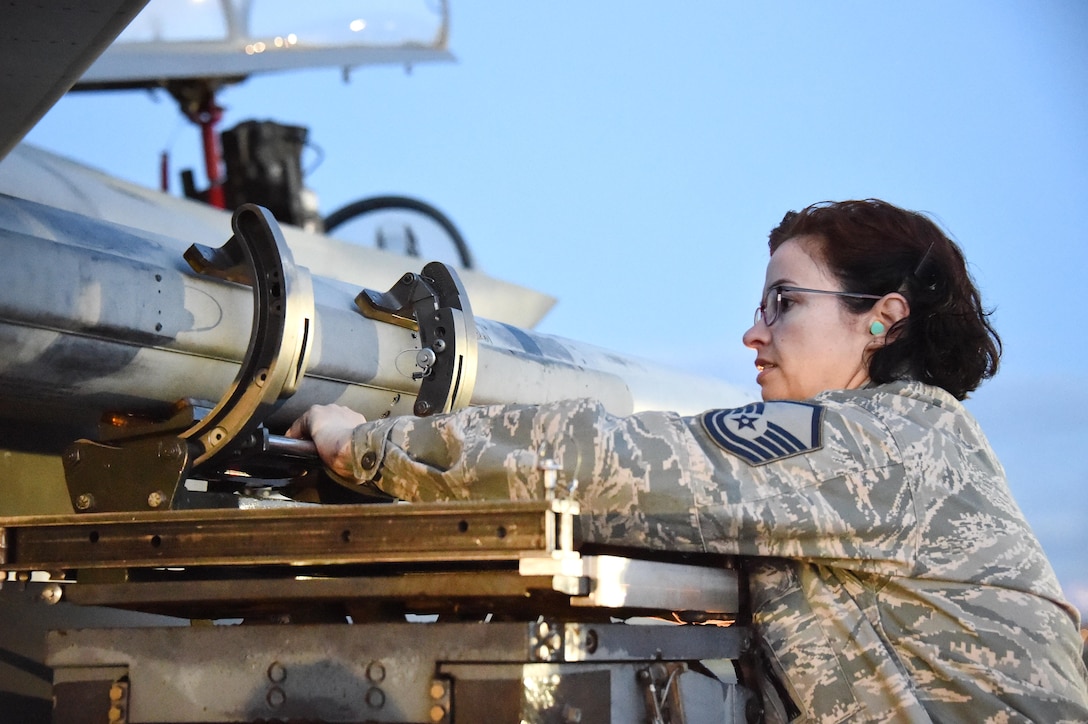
98,318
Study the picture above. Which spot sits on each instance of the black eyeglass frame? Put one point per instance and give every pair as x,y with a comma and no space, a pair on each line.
761,310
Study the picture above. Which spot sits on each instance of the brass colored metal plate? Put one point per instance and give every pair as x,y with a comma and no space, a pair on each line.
295,536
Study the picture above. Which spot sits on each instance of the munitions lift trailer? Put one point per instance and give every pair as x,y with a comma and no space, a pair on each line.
317,603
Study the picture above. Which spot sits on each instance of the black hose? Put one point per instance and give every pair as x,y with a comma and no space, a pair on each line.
381,203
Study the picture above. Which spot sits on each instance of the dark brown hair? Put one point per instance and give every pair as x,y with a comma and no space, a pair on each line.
873,247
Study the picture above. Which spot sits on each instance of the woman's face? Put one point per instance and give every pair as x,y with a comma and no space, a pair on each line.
815,344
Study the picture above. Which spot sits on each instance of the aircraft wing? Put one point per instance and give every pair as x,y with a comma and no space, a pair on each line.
46,48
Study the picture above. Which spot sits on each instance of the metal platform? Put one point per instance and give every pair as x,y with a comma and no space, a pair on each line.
475,612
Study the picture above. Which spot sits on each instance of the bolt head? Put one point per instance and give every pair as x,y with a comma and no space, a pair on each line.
52,593
368,460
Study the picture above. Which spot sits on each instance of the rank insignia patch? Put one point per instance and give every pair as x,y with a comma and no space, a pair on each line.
763,432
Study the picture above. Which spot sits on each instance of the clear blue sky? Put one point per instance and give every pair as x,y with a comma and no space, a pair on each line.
630,157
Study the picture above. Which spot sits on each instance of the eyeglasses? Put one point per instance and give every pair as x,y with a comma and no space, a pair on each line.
774,305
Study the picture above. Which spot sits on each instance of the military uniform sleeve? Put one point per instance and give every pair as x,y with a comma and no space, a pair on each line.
773,479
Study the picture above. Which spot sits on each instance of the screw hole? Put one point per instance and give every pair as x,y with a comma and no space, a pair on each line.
156,541
93,537
345,536
591,641
501,531
462,526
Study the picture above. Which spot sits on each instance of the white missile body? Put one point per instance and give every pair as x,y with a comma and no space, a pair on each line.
98,317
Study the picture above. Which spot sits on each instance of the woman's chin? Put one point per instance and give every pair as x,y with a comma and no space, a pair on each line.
770,392
768,389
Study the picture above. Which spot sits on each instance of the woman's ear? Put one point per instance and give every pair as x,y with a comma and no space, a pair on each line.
890,309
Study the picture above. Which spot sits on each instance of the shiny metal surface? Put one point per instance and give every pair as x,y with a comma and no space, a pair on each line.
124,325
296,535
407,672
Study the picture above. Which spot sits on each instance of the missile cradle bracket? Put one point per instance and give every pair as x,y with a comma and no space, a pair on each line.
436,305
145,464
142,464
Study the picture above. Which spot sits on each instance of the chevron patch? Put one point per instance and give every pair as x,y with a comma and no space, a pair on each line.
763,432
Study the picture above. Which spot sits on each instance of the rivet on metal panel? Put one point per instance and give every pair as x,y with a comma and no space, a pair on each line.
438,713
156,498
85,502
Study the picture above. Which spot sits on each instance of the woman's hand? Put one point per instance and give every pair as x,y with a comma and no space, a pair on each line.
330,427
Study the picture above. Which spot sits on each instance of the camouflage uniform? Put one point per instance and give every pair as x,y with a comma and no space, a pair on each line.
894,578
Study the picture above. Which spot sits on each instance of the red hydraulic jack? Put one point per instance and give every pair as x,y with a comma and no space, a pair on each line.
197,101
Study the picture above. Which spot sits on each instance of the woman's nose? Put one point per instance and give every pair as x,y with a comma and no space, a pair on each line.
756,335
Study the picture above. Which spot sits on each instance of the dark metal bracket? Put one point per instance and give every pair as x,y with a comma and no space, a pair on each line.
435,304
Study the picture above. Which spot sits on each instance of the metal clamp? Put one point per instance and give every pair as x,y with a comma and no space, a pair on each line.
436,305
143,467
283,312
